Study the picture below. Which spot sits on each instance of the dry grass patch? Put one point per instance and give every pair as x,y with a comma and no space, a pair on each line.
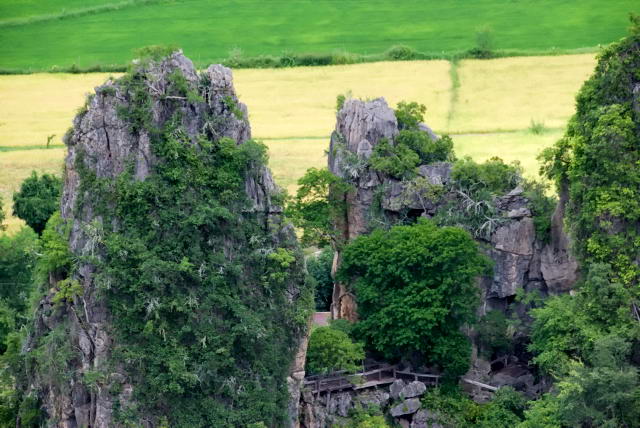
522,146
35,106
508,93
301,102
290,159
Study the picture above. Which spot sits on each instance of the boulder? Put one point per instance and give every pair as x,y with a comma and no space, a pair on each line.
414,389
396,388
406,407
424,419
340,404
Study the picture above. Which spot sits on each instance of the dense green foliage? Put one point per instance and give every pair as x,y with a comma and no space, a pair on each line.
331,349
199,289
596,163
17,261
317,204
585,341
37,200
493,336
26,271
319,267
41,35
454,409
412,147
415,289
567,327
476,186
369,417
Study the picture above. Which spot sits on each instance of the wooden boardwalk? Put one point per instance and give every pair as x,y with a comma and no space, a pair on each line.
374,377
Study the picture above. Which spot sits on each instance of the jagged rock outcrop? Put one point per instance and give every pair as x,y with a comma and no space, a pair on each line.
399,400
112,137
522,260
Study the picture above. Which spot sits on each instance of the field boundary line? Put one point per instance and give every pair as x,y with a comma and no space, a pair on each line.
110,7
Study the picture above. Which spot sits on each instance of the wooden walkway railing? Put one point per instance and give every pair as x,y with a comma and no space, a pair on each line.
373,376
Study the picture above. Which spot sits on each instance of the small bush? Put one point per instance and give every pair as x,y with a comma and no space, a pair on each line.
484,43
542,207
537,128
410,114
493,175
155,52
428,150
401,52
331,350
397,161
341,98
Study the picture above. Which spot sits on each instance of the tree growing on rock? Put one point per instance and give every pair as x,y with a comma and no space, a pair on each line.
415,287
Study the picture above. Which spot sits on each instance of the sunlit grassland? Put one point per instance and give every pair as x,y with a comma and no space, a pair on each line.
301,102
522,146
293,110
33,107
289,159
508,93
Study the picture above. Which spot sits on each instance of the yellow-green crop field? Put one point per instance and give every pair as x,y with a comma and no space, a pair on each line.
487,106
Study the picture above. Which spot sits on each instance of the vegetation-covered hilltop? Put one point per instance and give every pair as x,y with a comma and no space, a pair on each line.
581,348
169,291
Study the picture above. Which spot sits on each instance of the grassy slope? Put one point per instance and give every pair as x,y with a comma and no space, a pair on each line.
208,29
293,110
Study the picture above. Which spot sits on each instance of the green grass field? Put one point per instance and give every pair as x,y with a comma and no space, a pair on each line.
38,34
293,110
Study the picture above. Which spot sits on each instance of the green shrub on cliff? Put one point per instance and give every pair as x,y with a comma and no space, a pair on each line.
412,147
415,287
330,350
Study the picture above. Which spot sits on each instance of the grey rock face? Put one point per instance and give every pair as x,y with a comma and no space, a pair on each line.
558,266
340,404
370,121
414,389
424,419
406,407
102,141
376,398
519,255
396,388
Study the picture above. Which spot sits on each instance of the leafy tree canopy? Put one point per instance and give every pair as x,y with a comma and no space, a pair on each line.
37,199
415,287
318,201
330,350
